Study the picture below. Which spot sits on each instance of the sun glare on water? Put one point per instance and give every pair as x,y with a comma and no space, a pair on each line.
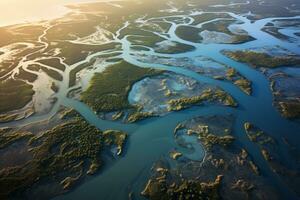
20,11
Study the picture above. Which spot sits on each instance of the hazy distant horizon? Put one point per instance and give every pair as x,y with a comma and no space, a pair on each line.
20,11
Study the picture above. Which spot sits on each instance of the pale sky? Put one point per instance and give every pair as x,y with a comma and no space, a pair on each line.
18,11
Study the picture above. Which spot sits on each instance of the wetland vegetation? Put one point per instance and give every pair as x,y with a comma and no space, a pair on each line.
223,158
14,94
258,59
206,96
271,153
120,62
108,91
69,150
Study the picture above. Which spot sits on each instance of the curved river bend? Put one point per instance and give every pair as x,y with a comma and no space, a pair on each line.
151,139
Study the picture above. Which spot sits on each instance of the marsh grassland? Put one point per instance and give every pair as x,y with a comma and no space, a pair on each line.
152,99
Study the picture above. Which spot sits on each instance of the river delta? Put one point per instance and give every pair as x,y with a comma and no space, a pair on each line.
152,100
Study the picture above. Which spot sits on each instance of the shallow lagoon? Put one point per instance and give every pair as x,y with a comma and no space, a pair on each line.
153,138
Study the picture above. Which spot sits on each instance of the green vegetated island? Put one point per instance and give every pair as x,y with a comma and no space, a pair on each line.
63,155
286,101
108,91
225,163
44,62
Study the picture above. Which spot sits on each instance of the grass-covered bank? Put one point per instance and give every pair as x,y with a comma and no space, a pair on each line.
108,91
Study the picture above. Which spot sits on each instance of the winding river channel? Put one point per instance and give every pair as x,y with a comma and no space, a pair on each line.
153,138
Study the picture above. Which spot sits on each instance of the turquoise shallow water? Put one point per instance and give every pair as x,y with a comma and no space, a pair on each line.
153,138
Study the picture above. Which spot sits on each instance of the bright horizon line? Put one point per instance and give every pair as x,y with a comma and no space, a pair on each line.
31,11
